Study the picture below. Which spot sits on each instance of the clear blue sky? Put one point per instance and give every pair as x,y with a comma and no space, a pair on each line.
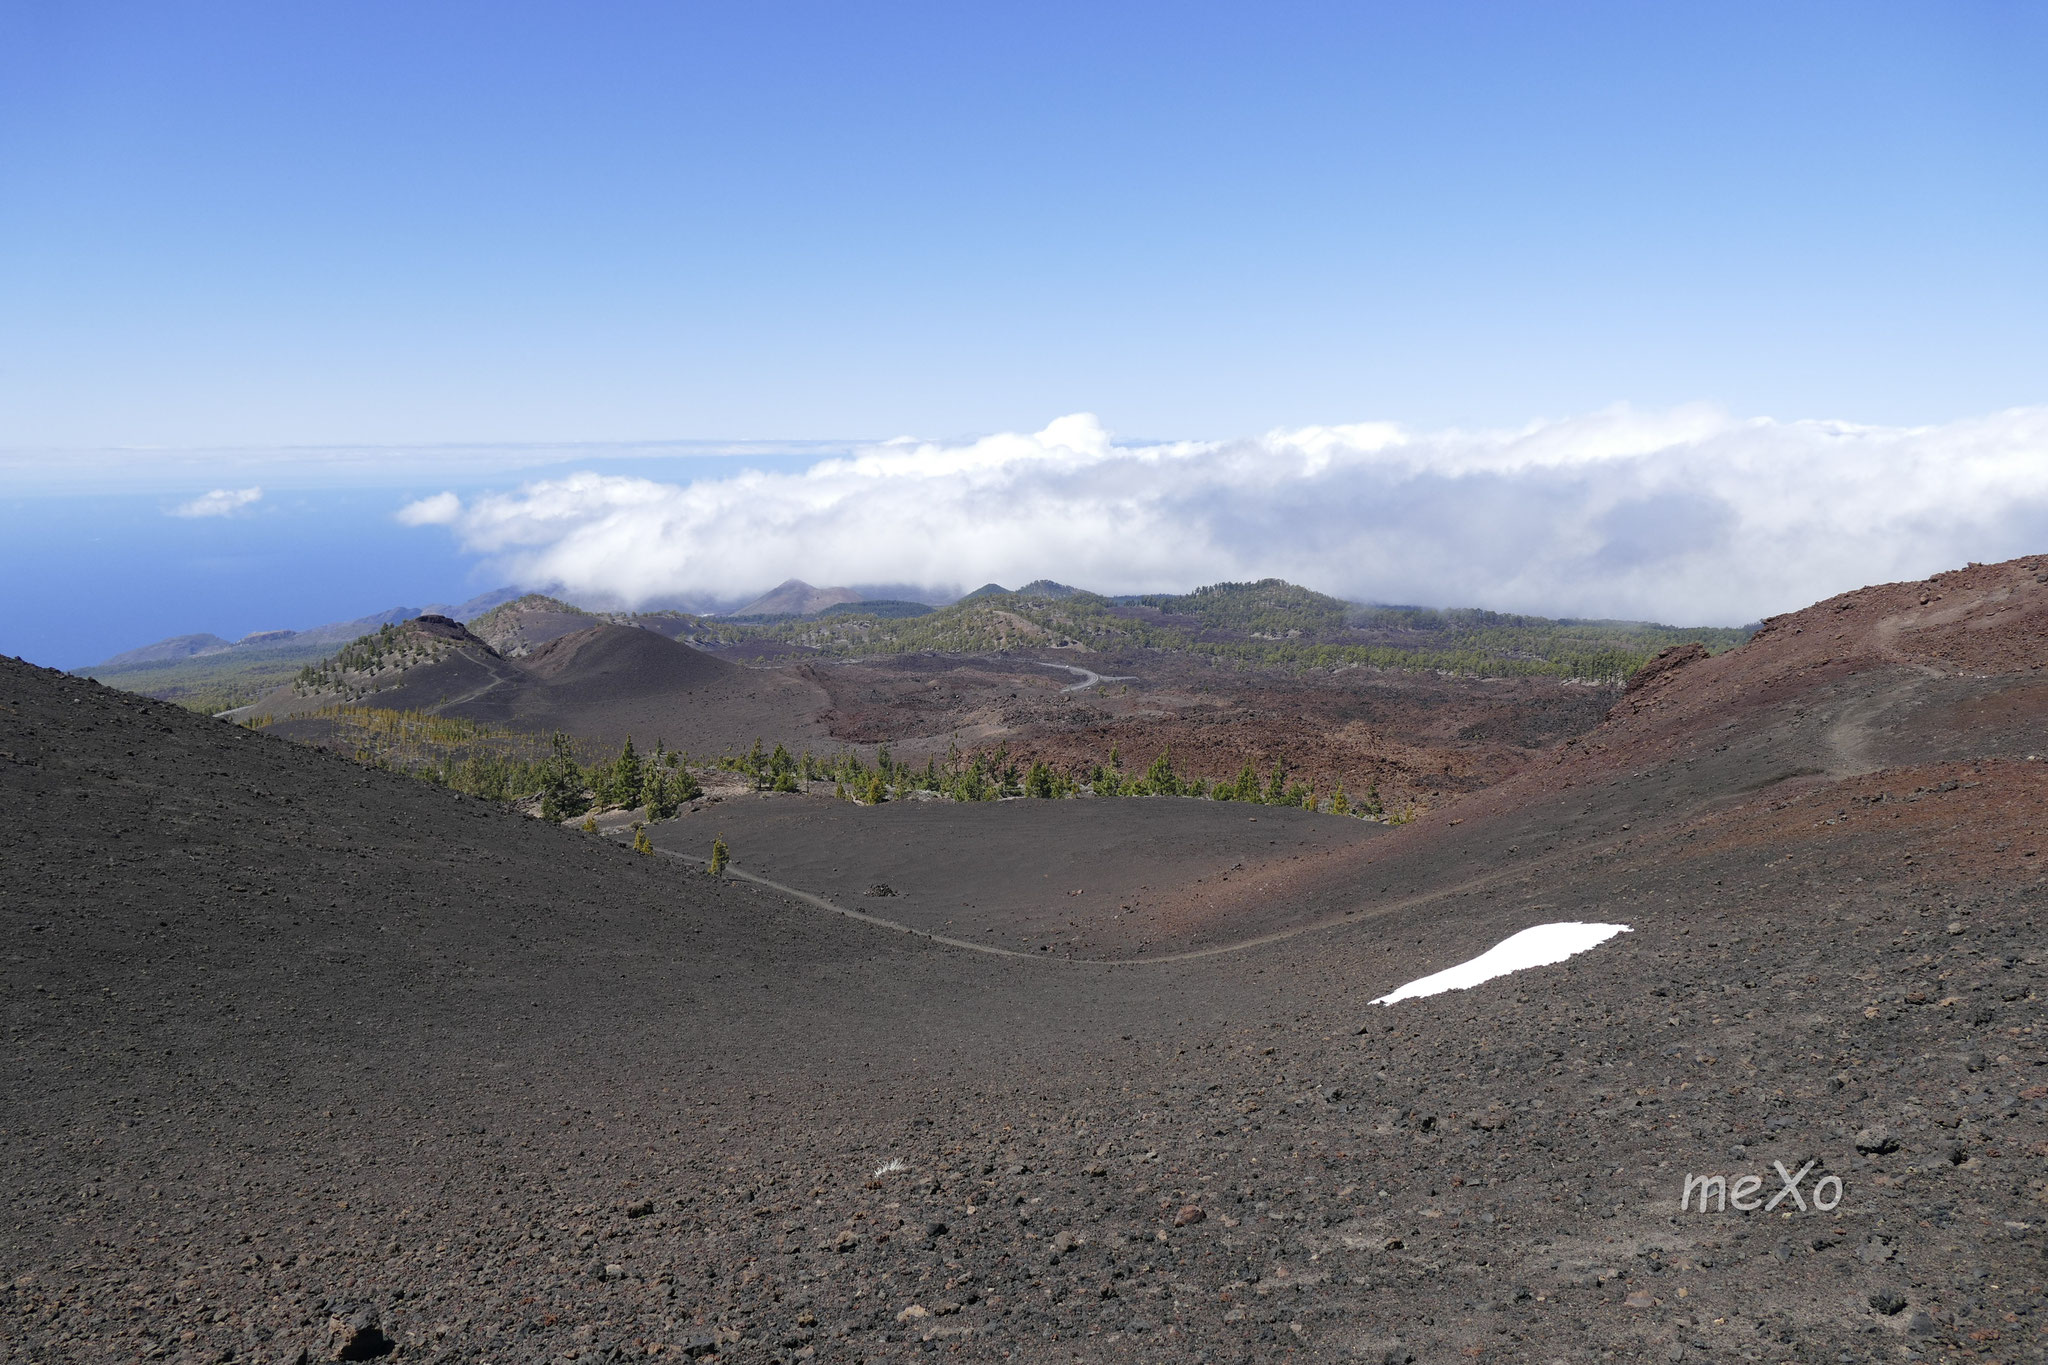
230,232
307,223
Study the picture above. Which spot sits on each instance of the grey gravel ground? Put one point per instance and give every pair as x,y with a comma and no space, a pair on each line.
312,1062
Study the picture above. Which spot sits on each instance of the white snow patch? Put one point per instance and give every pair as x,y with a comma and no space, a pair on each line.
890,1167
1537,946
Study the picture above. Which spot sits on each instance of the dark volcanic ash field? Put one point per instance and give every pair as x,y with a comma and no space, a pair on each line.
310,1061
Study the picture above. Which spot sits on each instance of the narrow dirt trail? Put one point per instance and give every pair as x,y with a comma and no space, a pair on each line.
1358,915
496,680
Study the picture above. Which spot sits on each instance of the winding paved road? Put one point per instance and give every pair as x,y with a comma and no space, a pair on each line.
1088,677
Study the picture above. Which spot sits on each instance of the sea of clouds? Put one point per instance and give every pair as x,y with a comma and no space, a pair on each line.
1690,515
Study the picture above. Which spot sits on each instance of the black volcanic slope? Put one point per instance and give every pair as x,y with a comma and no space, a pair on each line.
602,684
612,681
293,1046
579,681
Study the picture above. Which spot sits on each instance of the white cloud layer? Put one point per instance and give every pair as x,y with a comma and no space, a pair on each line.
443,509
221,502
1690,515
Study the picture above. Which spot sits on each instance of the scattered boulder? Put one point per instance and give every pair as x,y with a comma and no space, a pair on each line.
1876,1141
357,1336
1190,1213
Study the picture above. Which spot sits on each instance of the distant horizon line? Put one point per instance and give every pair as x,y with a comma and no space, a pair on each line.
957,595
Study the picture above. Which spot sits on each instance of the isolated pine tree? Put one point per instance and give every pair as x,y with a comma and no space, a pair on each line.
590,824
562,784
656,794
641,843
1339,805
1161,778
719,856
626,778
1039,782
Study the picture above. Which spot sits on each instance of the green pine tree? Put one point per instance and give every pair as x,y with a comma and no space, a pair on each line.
1161,779
626,777
719,856
877,793
657,793
1247,785
562,782
1339,805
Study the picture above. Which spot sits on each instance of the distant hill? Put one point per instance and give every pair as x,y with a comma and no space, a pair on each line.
1269,623
526,623
794,597
1037,587
209,673
887,610
598,684
177,647
1045,587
